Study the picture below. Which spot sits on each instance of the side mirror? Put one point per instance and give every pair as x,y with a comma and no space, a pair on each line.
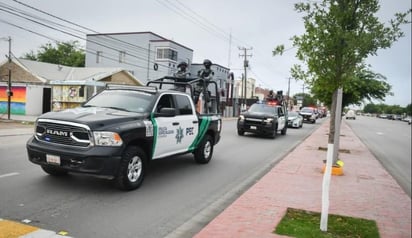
166,112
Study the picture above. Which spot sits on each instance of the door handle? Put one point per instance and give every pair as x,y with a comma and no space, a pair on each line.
194,122
175,123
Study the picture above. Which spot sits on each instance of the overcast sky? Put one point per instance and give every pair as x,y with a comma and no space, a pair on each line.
213,29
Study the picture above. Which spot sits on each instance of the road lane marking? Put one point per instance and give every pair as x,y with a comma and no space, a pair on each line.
8,175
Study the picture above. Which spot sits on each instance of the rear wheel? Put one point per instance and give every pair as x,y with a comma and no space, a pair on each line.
53,170
203,154
132,169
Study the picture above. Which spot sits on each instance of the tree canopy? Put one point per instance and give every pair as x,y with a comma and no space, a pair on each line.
307,99
63,53
340,35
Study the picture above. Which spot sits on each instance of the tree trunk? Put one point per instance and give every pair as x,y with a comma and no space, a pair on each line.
332,118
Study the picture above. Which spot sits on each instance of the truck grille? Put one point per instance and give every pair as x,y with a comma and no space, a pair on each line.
254,121
63,133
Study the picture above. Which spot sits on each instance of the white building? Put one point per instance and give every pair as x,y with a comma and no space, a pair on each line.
145,55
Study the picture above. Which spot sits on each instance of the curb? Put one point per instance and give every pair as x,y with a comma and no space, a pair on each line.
17,229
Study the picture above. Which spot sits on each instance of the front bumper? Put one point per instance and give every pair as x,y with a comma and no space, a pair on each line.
256,128
98,160
293,124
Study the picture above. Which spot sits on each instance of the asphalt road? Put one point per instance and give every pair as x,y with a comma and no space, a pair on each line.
178,194
390,142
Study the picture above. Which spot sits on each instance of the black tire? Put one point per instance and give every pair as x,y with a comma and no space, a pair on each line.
53,170
132,169
203,153
275,132
240,132
301,125
283,132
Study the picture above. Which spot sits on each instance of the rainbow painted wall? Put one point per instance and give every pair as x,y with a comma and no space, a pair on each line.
18,100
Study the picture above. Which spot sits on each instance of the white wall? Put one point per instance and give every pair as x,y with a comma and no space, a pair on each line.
34,100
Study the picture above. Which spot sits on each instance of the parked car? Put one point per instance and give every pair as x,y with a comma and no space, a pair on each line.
295,120
408,119
350,115
397,117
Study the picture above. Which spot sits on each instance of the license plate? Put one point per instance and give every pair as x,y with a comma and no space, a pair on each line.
253,127
53,159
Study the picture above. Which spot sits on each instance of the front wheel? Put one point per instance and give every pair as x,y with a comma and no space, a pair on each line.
203,154
240,132
132,169
283,131
275,132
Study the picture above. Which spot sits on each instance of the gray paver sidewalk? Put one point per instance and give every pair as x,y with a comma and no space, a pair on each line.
365,190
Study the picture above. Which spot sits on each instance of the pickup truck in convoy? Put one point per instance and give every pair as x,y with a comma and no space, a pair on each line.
116,133
266,118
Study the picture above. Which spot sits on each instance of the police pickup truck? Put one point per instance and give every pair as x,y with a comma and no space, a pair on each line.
266,118
116,133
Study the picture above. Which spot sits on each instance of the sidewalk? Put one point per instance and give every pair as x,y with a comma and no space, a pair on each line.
365,190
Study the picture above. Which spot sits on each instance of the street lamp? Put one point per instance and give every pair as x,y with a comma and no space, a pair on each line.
9,92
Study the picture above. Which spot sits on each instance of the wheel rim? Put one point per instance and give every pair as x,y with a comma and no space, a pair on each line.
134,169
208,149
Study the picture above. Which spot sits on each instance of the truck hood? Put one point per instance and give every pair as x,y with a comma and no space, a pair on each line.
259,115
94,117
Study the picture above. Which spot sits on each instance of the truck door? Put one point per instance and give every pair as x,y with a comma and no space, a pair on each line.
174,134
282,118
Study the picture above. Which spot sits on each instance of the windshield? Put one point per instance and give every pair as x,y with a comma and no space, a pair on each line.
307,109
293,114
133,101
262,108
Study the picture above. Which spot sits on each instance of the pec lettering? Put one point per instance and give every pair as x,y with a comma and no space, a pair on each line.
189,131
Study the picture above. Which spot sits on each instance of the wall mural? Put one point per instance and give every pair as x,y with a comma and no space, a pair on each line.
18,100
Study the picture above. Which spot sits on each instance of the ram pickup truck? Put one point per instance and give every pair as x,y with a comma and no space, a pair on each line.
116,133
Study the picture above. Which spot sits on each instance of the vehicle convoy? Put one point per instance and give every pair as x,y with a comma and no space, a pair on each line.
308,114
116,133
266,118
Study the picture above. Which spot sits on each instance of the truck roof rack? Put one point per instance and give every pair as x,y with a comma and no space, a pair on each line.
132,87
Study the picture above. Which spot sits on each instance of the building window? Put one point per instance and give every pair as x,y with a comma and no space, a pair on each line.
99,55
122,56
166,54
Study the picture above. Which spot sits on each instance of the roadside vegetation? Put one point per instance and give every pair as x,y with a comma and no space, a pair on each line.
304,224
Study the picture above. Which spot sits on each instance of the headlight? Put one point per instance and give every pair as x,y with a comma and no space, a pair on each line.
268,120
241,118
107,138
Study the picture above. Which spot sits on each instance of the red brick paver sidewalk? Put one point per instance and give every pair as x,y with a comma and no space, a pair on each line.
365,190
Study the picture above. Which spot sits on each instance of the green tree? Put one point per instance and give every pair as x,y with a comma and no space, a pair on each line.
340,35
307,99
370,108
63,53
408,109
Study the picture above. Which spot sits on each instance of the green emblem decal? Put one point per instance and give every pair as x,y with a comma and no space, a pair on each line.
204,125
154,133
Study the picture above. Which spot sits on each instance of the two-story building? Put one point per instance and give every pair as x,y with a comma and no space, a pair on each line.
145,55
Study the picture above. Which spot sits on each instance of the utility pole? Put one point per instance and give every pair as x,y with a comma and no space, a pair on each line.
9,92
288,93
245,66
